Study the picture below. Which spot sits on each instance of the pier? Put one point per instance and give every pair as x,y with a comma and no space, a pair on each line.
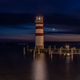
65,51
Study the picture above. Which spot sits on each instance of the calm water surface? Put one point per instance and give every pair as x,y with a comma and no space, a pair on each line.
15,66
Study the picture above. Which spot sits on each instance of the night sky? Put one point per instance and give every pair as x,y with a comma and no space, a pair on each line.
17,18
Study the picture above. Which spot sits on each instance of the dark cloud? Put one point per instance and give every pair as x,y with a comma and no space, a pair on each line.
46,6
61,16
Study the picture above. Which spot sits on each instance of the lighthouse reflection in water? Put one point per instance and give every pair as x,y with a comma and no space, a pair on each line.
39,71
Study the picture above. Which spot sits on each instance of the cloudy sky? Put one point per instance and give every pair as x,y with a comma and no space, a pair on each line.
17,18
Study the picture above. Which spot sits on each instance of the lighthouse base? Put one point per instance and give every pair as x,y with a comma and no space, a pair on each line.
39,47
37,52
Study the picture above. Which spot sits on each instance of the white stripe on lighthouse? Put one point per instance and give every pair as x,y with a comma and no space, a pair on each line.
39,31
38,24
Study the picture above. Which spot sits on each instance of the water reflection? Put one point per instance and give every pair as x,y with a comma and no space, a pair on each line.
68,59
39,68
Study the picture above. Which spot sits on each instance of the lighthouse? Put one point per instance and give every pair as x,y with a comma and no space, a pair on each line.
39,33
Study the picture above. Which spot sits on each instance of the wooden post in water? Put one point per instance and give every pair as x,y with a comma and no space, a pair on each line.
50,52
72,52
34,52
24,52
60,51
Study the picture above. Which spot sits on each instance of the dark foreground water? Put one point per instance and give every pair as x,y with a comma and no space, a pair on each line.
15,66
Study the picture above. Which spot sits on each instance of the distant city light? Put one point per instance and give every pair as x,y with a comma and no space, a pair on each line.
39,18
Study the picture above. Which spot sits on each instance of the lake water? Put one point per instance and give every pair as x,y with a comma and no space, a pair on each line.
15,66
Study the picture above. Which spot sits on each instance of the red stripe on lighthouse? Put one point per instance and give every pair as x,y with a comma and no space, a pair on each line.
39,27
39,34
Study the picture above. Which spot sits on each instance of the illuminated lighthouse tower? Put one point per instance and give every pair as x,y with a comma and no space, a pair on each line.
39,34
